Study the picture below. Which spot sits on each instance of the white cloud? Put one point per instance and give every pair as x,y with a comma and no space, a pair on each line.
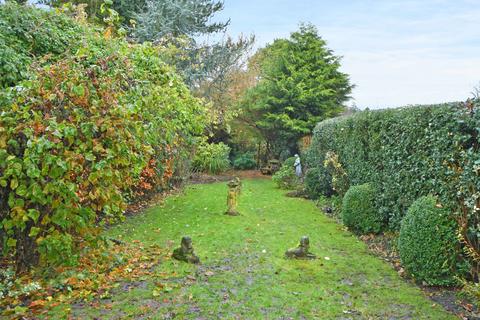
396,52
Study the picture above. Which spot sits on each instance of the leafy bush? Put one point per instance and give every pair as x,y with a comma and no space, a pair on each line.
358,210
428,244
318,182
78,141
244,161
285,178
27,33
58,249
212,157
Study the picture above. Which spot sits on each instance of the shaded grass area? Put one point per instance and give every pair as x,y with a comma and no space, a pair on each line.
244,275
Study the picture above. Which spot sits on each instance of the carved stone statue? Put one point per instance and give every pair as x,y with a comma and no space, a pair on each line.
239,184
302,251
185,252
234,189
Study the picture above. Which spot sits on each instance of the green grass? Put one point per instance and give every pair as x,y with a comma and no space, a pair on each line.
244,274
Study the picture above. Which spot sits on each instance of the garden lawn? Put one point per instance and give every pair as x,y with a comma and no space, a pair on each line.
244,274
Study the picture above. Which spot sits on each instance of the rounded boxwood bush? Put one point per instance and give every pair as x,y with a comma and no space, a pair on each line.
428,245
358,210
318,182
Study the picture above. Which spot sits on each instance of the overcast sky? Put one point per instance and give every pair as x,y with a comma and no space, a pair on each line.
397,52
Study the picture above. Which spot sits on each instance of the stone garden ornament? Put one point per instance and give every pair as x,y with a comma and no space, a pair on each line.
234,190
302,251
298,166
185,252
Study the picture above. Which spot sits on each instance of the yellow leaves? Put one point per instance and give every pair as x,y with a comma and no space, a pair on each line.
97,273
108,33
3,138
37,304
13,183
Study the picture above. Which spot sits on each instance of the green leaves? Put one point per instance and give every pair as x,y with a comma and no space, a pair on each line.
28,33
78,90
212,157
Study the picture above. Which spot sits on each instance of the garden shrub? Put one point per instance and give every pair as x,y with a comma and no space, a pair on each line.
318,182
358,210
428,243
212,158
285,178
339,176
27,33
244,161
80,139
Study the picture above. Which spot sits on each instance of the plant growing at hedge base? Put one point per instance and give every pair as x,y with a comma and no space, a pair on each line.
335,169
285,178
358,210
428,245
318,182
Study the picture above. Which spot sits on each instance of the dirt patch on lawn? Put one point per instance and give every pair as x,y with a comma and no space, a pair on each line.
202,178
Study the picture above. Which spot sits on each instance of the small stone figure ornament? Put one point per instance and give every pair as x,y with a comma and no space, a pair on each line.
298,166
234,189
185,252
302,251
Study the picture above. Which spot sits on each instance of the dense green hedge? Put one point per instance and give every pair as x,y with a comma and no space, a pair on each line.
407,153
82,137
358,210
428,245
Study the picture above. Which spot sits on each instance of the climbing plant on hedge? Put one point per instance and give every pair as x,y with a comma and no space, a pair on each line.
428,243
78,139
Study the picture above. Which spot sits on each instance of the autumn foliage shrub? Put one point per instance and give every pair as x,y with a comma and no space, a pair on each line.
428,243
81,138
